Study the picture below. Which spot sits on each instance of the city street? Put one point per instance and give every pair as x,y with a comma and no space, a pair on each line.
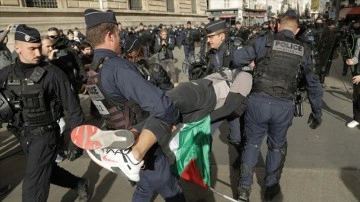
322,165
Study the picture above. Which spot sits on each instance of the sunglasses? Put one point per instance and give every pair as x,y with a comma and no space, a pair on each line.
53,36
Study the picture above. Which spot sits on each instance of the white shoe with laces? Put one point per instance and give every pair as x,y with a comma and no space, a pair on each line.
352,124
118,161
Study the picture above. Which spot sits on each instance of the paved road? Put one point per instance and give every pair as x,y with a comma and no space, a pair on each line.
322,165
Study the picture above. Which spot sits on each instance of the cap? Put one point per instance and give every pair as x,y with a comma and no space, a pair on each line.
27,34
215,27
95,17
290,13
132,43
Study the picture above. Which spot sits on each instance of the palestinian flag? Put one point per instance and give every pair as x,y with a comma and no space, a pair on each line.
191,146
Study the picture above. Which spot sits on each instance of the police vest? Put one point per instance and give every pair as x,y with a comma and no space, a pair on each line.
231,46
34,103
280,74
117,113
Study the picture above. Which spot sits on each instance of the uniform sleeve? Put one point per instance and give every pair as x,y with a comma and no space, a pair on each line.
244,56
150,98
313,87
60,85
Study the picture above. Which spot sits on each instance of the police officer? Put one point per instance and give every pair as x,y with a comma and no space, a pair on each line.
34,90
271,103
125,98
219,60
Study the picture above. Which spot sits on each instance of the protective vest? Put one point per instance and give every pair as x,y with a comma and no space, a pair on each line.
279,74
118,113
36,107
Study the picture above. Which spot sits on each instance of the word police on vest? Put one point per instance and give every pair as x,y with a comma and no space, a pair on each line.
288,47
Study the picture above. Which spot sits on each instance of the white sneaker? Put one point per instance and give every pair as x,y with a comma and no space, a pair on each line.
117,161
352,124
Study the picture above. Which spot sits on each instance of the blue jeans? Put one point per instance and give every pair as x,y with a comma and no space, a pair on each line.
234,128
158,180
266,114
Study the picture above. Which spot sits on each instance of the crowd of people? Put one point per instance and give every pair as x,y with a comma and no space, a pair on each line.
254,73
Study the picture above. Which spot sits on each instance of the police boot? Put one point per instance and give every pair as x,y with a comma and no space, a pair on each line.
82,190
271,192
244,193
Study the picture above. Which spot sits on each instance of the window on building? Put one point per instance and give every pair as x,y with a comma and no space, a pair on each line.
193,6
135,5
42,3
170,5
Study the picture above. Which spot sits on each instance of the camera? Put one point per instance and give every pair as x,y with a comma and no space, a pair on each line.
61,53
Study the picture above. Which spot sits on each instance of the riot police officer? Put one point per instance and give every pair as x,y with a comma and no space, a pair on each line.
124,98
34,91
271,102
220,59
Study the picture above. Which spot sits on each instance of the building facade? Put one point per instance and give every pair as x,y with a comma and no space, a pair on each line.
66,14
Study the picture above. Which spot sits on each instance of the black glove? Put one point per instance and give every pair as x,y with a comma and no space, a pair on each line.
74,151
314,122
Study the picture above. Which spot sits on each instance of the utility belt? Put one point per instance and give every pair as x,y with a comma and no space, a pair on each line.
26,131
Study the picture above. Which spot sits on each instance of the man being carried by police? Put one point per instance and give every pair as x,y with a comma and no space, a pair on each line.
195,100
32,92
164,46
280,62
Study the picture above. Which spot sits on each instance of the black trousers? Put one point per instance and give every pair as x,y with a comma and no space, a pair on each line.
356,102
41,170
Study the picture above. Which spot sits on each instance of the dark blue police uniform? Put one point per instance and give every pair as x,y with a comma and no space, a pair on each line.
36,92
120,79
271,108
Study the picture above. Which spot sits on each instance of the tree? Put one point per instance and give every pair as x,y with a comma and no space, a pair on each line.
315,4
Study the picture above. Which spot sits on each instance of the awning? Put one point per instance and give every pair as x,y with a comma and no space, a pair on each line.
354,11
227,16
343,12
